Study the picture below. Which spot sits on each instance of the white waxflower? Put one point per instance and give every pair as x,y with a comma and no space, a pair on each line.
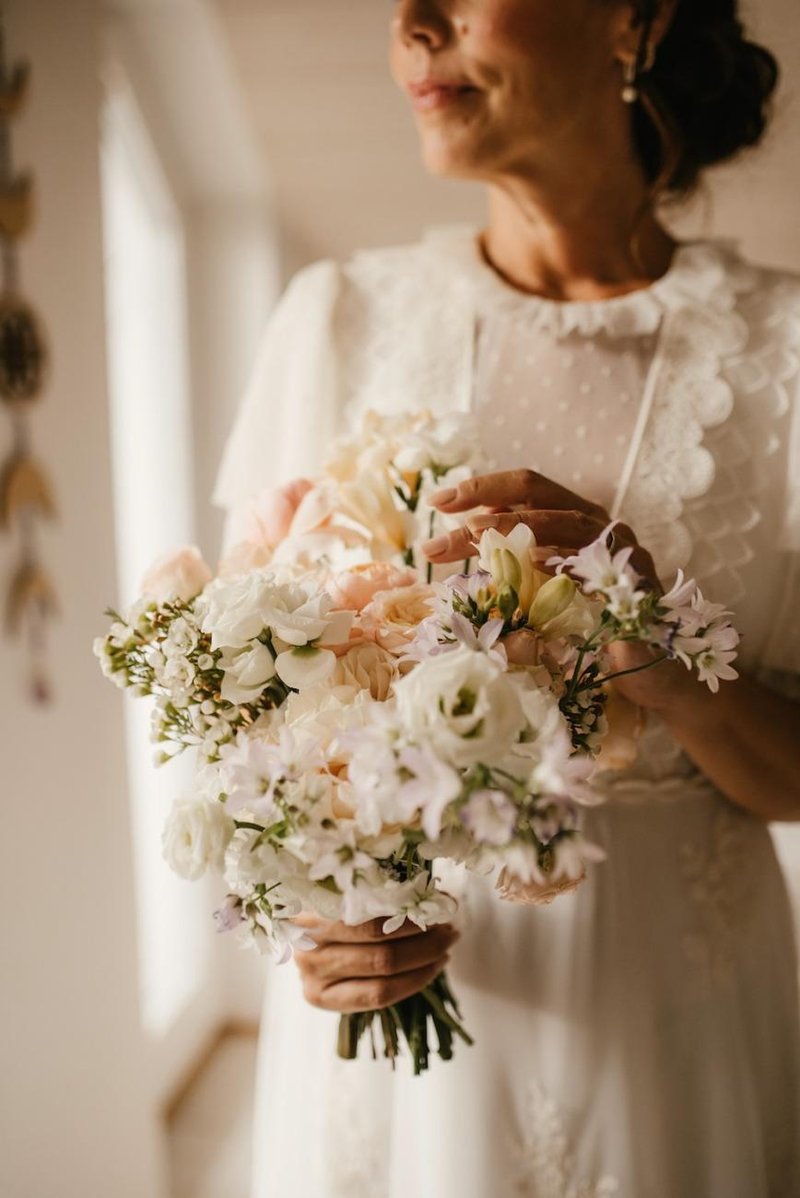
196,836
461,703
181,638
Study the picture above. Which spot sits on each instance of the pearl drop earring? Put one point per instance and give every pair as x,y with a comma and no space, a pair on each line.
632,70
630,92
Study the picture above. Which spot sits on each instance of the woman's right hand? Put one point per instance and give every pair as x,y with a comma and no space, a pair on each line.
360,969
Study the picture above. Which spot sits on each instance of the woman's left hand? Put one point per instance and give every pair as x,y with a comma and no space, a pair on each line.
562,522
560,519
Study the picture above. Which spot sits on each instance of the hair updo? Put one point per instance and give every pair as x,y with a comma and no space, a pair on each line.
707,95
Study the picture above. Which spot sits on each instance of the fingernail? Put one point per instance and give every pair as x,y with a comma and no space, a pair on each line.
437,545
447,495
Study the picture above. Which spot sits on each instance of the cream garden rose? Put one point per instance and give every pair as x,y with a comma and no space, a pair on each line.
368,667
393,615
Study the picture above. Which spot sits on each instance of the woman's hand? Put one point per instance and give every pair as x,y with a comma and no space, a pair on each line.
359,969
562,523
561,520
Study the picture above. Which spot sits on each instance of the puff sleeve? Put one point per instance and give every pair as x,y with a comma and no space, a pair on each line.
291,406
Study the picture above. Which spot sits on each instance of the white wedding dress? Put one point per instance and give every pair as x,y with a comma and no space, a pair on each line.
640,1037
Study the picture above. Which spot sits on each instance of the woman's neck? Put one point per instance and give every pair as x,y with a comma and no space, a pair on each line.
581,250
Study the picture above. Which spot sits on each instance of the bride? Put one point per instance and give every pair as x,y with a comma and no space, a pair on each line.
639,1037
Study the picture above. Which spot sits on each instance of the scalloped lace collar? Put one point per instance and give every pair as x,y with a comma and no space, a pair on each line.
702,272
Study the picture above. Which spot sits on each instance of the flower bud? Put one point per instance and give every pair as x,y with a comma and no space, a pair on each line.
506,601
505,569
552,599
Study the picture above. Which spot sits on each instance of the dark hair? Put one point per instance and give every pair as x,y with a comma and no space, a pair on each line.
707,95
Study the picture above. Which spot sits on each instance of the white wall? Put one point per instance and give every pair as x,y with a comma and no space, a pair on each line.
341,146
77,1117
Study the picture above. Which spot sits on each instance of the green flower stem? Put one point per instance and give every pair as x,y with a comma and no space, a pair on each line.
648,665
409,1021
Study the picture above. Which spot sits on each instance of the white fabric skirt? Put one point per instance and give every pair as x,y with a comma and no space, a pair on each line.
638,1038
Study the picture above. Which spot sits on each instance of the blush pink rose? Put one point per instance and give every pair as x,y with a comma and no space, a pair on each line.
270,515
358,586
181,574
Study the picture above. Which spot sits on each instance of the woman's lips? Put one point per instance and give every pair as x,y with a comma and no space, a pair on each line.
426,97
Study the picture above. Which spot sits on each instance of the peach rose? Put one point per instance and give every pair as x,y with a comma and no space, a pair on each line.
537,894
394,615
358,586
271,513
181,574
367,667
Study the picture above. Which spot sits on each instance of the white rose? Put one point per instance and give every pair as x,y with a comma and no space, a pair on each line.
464,704
195,837
237,610
181,575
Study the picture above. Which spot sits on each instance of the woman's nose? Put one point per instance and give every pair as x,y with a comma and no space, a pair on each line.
422,21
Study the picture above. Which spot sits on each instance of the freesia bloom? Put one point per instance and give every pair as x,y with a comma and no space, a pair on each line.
179,575
510,561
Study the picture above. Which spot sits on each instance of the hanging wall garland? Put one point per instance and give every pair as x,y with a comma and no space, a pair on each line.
25,493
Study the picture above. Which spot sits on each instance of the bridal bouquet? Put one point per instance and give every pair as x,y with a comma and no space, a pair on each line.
357,721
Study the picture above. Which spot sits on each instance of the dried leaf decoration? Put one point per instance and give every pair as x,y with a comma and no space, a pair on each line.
31,597
14,90
23,357
23,484
16,207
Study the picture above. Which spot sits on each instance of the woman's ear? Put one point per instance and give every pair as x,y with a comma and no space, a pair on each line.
631,16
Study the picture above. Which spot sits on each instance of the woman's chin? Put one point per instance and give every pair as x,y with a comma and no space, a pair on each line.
446,158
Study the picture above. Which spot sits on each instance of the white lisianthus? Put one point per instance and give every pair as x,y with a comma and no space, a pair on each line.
196,836
246,672
180,575
462,704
